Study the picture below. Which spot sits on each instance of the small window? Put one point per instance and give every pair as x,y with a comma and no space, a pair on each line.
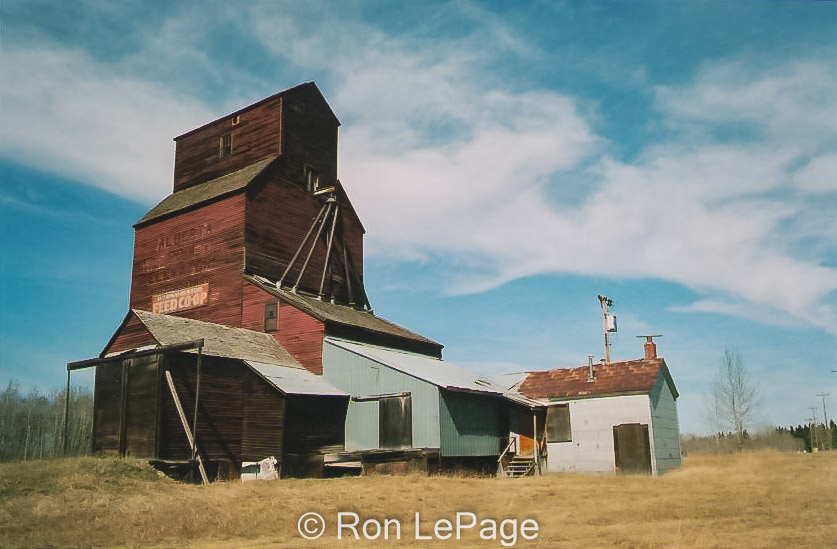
312,179
558,424
271,322
236,120
225,145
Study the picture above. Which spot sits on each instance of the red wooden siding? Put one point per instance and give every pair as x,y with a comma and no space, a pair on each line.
279,214
302,335
257,135
310,131
205,245
132,335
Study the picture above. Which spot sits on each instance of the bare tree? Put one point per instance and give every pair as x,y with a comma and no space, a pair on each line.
734,399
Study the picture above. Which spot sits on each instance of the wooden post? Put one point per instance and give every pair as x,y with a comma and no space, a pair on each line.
66,411
313,245
123,406
197,395
535,437
328,249
185,423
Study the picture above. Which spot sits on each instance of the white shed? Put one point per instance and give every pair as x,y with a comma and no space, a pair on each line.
622,418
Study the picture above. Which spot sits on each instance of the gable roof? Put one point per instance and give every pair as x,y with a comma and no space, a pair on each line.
433,370
204,192
325,311
625,377
219,340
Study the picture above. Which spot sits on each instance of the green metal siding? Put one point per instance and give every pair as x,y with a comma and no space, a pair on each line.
472,424
665,428
361,376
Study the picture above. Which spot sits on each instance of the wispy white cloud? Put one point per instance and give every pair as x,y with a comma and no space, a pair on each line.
67,114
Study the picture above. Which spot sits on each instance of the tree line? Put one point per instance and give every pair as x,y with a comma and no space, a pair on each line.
32,423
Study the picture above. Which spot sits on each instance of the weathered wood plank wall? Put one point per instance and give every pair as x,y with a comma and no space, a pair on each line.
193,248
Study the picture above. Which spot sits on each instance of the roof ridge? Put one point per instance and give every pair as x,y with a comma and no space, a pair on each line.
211,189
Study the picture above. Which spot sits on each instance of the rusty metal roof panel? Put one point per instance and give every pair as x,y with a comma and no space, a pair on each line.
219,340
630,376
295,381
204,192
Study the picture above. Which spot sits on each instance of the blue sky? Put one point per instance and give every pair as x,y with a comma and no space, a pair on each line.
510,162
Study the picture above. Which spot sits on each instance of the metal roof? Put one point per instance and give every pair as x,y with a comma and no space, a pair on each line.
340,314
219,340
294,381
433,370
509,382
206,191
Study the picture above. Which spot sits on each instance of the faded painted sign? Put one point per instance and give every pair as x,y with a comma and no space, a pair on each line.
180,300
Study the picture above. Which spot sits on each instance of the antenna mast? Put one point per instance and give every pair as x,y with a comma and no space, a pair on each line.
608,324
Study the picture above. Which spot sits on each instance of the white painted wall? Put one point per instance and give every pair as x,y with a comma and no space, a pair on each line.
591,422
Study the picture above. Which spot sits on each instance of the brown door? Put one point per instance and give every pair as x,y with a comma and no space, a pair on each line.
527,446
395,422
632,448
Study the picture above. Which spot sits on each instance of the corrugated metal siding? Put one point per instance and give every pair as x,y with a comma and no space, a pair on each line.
360,376
433,370
471,425
665,430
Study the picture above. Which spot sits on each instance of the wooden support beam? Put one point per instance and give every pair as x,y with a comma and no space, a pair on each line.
66,411
185,424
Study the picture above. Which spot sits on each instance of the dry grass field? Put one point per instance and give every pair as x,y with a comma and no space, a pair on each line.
764,499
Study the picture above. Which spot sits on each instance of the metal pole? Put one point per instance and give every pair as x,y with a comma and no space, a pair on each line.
66,411
197,395
825,418
814,434
605,301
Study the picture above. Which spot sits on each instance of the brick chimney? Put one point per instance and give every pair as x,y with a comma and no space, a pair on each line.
650,346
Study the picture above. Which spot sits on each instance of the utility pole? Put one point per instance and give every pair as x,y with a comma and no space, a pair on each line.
826,446
814,437
608,324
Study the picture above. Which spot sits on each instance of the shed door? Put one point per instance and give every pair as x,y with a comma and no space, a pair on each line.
395,422
632,448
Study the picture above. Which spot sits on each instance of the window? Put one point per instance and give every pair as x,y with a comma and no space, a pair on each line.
271,321
558,423
312,179
225,145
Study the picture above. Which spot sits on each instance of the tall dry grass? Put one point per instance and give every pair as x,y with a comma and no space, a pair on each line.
761,499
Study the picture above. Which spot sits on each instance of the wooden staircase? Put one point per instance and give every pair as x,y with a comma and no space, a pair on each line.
521,466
